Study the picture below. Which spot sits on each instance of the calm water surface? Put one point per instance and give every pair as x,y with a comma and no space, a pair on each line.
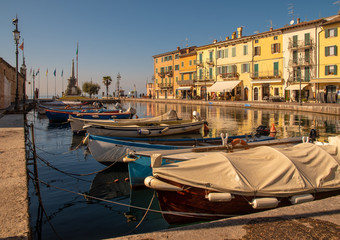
74,217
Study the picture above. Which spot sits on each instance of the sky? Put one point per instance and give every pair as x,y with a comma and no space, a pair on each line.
121,36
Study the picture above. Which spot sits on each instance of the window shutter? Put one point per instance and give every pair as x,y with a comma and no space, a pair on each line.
326,51
326,70
335,69
278,47
272,48
326,33
335,32
259,51
335,50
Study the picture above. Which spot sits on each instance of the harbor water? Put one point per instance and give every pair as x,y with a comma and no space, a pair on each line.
67,172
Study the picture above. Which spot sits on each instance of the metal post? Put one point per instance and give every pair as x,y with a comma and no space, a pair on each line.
16,35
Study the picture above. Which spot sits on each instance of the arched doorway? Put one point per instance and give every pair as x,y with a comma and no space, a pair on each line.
256,94
203,92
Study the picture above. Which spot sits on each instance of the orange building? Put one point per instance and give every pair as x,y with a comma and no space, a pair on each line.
187,73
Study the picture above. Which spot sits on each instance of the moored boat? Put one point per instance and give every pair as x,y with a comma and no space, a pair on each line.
145,129
221,184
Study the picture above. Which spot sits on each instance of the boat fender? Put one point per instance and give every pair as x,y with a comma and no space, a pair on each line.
273,129
305,139
154,183
301,198
261,203
239,141
165,129
219,197
143,131
156,160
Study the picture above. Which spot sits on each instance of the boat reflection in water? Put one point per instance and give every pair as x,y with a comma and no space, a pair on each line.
113,183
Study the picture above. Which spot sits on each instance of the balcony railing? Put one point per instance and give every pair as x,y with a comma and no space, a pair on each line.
300,44
170,73
210,61
199,63
266,74
165,85
300,62
161,74
229,76
186,82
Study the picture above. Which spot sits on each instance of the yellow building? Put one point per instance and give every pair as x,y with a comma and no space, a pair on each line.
187,73
164,74
327,84
234,58
267,78
206,69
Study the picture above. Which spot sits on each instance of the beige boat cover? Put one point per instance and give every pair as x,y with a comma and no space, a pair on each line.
262,171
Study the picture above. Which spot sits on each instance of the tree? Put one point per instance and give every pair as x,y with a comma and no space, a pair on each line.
91,88
107,81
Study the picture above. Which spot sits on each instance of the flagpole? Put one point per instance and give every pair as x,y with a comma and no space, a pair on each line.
77,63
55,83
47,81
62,82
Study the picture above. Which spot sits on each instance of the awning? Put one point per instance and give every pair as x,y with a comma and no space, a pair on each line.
266,81
184,88
226,86
325,80
297,86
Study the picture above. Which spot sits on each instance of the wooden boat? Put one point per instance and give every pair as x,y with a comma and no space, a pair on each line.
139,162
57,115
219,184
77,124
145,129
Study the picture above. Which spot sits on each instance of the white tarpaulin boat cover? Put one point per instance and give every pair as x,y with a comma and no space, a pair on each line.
262,171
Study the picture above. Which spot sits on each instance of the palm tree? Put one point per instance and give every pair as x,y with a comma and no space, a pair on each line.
107,81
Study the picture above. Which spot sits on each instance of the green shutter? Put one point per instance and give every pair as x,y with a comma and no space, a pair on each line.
335,32
326,51
326,70
335,69
335,50
226,53
295,41
307,39
276,68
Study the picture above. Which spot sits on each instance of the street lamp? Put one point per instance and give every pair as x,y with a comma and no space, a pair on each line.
16,35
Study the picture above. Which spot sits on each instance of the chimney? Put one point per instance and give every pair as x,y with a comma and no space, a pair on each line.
178,48
271,28
297,20
215,41
239,32
188,50
226,38
233,36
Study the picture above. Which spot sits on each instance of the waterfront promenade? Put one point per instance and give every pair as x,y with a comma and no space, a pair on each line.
14,213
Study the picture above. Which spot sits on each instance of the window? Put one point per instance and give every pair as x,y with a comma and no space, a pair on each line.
220,54
295,41
245,68
256,70
162,59
176,67
211,56
276,91
200,57
256,41
182,77
307,75
194,62
332,32
182,64
233,52
210,73
190,63
245,49
276,48
275,37
200,74
170,68
177,56
295,57
156,70
170,58
276,68
257,51
156,60
226,53
162,69
190,76
307,56
331,51
307,39
331,70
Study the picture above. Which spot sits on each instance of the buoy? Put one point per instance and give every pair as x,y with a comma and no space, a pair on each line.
261,203
126,179
219,197
116,180
273,129
206,129
136,116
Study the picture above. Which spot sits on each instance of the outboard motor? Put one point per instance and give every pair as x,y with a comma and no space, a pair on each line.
262,130
313,134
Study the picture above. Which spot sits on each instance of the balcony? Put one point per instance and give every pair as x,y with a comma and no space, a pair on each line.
199,63
266,74
230,76
300,44
301,61
186,82
170,73
210,61
165,85
161,74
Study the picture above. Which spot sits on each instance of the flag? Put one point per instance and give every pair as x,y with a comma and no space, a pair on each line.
62,72
55,72
22,46
31,71
46,71
36,74
77,49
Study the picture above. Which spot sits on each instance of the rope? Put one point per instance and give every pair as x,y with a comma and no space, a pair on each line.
140,222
